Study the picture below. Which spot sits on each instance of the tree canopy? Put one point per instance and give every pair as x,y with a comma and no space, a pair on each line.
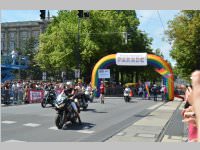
184,31
100,34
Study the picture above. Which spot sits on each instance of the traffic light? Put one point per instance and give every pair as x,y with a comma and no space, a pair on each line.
42,14
80,13
86,14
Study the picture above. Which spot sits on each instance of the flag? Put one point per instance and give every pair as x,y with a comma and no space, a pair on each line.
147,88
162,71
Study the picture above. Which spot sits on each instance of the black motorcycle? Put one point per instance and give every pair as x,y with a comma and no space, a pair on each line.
89,95
49,98
65,111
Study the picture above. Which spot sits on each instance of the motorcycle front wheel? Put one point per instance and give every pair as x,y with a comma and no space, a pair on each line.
58,122
43,103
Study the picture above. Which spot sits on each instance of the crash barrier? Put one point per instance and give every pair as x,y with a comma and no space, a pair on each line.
117,91
36,96
31,96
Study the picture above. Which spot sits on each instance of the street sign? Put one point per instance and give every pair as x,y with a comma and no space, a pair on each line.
44,76
104,73
77,73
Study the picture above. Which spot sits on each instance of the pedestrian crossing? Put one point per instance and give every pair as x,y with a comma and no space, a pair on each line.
8,122
31,125
85,129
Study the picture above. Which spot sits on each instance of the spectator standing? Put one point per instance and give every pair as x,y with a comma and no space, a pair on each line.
192,129
7,93
14,56
163,91
15,92
102,92
195,99
154,91
20,91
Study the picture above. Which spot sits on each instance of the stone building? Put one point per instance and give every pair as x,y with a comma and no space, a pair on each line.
15,34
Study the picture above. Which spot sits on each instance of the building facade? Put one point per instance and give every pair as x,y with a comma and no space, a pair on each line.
15,34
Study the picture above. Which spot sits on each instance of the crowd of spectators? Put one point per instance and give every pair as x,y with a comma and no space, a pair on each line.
15,92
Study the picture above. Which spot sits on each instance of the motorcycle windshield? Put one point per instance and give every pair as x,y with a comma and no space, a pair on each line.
61,97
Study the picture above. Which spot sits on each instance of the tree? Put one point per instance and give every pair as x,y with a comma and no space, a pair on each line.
100,34
184,31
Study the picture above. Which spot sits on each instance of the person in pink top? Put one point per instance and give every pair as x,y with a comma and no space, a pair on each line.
195,99
187,114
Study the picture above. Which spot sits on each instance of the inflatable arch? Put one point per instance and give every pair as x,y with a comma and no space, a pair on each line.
162,67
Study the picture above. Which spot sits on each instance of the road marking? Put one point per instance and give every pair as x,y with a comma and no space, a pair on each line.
31,125
146,135
53,128
85,131
121,133
14,141
8,122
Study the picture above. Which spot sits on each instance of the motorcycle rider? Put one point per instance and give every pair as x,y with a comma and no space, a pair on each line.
127,91
69,92
89,92
79,93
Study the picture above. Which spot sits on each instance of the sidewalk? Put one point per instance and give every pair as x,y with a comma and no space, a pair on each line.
151,127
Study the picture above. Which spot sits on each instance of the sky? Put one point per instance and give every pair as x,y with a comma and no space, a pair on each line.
153,22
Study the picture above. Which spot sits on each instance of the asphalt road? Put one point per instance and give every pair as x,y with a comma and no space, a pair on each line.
32,123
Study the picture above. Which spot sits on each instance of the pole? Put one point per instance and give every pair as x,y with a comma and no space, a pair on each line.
78,46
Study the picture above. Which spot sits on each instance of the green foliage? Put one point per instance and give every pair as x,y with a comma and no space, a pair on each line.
184,31
100,34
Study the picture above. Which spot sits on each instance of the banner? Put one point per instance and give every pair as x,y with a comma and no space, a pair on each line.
131,59
35,96
104,73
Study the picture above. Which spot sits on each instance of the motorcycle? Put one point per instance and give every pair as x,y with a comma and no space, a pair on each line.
89,95
65,111
127,97
49,98
81,103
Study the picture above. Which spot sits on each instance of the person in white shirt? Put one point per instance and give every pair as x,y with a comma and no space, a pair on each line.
15,92
20,91
14,56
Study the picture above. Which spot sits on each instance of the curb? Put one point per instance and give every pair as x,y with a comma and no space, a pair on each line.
158,135
162,133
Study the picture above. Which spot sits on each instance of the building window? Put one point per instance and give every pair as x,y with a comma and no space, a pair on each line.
12,45
2,45
2,35
12,35
36,34
23,35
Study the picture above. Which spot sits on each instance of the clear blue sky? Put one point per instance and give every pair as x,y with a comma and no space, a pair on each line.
153,22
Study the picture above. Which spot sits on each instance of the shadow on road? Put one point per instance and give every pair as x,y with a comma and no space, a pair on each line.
83,126
133,101
95,111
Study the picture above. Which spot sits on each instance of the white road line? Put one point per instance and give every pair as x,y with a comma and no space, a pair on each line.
53,128
85,131
31,125
8,122
13,141
120,133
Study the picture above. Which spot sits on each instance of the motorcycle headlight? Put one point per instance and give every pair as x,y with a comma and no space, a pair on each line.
59,106
75,100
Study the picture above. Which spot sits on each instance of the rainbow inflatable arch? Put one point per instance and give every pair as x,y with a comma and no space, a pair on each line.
161,66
